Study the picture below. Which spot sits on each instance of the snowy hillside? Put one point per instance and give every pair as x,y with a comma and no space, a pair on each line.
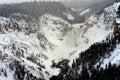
101,61
28,50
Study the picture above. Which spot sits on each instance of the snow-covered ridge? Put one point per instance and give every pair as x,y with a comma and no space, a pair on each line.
51,39
113,57
85,11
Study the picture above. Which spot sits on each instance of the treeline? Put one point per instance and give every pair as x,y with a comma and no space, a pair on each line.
36,9
109,73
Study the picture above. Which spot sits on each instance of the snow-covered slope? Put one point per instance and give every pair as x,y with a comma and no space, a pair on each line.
113,57
70,40
21,43
37,45
101,61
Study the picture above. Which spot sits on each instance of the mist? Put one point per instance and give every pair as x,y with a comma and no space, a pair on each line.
19,1
82,4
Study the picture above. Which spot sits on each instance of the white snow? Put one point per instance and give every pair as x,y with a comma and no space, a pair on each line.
114,58
85,11
10,74
117,20
69,16
58,39
75,38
